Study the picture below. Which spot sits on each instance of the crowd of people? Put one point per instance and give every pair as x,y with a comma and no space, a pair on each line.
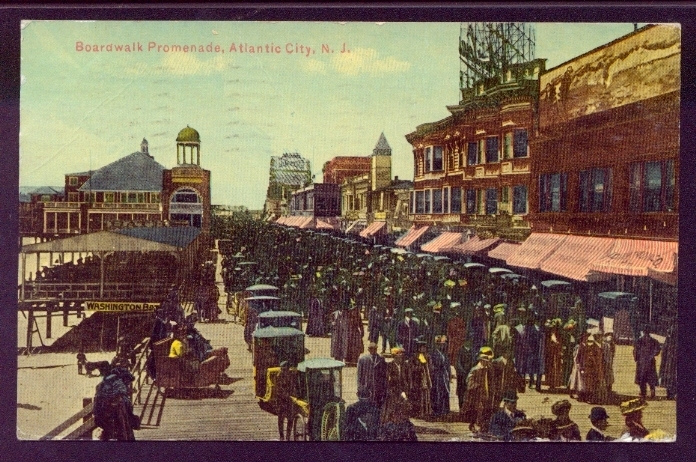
500,335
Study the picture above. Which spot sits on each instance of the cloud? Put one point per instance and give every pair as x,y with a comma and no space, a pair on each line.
180,63
314,66
358,61
367,61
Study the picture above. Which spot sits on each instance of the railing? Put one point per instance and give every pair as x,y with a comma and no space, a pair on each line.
91,290
84,431
103,205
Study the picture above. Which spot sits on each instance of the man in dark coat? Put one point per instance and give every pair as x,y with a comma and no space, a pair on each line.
374,322
598,419
372,377
113,409
464,363
441,376
406,333
505,419
645,350
529,352
396,407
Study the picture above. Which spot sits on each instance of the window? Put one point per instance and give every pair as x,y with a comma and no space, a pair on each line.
186,196
428,202
505,194
456,200
595,190
445,200
141,198
553,192
132,198
420,201
507,146
471,154
72,181
45,198
437,158
651,186
154,197
520,144
108,197
519,200
437,200
492,149
471,201
428,158
72,197
491,201
481,155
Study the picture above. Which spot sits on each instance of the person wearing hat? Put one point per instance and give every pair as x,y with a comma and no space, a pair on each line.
632,410
456,332
645,350
406,333
478,404
599,420
441,377
372,376
420,381
507,417
394,420
284,388
562,428
529,352
462,365
608,353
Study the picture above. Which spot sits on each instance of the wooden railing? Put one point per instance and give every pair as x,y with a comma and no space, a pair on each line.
84,431
91,290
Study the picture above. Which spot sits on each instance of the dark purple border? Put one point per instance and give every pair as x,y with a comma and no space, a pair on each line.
11,449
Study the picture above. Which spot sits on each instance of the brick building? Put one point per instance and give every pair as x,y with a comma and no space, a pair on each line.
287,173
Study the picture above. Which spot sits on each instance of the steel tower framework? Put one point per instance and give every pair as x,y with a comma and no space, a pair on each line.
488,49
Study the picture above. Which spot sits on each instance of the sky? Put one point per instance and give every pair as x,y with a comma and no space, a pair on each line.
81,110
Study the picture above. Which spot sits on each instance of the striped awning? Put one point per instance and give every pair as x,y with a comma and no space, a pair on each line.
411,236
537,248
573,259
668,278
473,245
634,257
504,250
374,228
305,222
442,243
327,223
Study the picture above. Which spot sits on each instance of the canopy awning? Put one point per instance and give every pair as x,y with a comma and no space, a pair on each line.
537,248
305,222
573,259
668,278
473,245
442,243
178,236
327,223
374,228
102,241
411,236
280,221
504,250
634,257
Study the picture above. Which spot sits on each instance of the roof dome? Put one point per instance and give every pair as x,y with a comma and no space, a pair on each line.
188,134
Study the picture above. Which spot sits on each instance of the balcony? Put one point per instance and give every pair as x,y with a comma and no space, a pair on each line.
62,205
125,206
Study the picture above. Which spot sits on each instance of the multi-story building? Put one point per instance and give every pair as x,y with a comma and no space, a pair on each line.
472,169
134,191
288,173
31,204
316,200
339,168
605,167
373,196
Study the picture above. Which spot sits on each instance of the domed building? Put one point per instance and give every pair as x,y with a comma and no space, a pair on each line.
135,191
186,187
